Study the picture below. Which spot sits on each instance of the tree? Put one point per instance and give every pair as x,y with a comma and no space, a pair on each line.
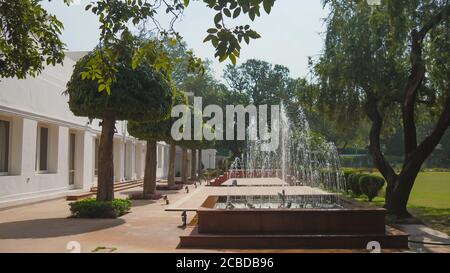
307,97
138,94
152,132
29,37
385,62
262,82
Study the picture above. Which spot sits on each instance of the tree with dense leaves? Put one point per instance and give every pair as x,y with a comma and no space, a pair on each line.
386,62
139,94
29,39
261,81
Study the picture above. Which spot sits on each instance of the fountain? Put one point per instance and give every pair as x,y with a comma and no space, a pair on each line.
296,200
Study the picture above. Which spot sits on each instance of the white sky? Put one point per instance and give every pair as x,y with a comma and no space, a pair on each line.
290,34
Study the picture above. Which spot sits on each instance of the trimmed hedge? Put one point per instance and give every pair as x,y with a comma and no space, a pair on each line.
91,208
371,185
360,182
353,183
347,172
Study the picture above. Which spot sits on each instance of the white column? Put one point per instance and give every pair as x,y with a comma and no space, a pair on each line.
133,160
59,160
118,151
17,140
138,160
29,138
84,160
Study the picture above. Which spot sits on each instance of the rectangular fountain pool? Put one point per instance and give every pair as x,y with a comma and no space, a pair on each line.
308,214
342,224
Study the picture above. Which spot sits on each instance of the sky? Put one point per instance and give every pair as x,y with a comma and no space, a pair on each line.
291,33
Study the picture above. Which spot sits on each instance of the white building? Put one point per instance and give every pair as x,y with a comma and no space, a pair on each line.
47,152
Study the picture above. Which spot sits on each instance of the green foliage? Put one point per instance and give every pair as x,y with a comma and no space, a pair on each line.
371,185
367,52
226,40
360,182
29,37
185,65
360,56
347,172
157,130
138,94
353,183
91,208
262,82
116,16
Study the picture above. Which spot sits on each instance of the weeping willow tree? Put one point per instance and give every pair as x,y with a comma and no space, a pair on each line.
138,93
390,64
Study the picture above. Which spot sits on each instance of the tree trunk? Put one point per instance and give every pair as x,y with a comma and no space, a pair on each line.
171,171
379,160
200,166
397,200
194,165
105,190
184,166
150,169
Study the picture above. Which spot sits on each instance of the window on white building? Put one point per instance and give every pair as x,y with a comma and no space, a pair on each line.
4,146
42,149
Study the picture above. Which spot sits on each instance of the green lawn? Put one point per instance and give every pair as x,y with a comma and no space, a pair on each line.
431,190
429,200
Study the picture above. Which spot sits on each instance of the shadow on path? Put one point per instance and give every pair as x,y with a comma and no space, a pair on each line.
54,227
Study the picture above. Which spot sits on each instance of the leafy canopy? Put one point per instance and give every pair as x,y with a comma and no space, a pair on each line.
367,53
29,38
140,93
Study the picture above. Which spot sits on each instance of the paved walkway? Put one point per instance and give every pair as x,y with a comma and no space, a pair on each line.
44,227
425,239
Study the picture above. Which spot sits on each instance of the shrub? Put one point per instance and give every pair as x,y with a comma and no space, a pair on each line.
371,185
91,208
353,183
347,172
